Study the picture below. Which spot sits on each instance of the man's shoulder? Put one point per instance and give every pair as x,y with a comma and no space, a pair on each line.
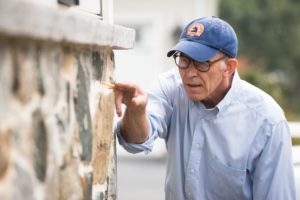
260,102
167,83
170,75
170,80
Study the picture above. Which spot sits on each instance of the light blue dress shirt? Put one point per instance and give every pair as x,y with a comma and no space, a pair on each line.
241,149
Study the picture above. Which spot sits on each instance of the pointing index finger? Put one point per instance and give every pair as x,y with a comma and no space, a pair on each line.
124,87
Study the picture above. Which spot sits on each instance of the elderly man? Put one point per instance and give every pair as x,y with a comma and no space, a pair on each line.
226,139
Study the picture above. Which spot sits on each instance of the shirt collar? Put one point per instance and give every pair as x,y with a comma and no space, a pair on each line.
231,94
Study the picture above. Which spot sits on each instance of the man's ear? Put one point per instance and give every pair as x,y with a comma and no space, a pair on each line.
231,65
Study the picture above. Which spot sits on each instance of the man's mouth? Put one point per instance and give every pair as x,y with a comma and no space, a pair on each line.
194,85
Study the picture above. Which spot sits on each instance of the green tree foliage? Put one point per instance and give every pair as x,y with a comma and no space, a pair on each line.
269,37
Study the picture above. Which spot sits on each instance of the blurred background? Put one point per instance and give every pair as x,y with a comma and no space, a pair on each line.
269,57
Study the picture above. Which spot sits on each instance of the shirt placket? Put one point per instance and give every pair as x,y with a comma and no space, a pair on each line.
192,171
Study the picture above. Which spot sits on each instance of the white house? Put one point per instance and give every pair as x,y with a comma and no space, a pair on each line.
158,25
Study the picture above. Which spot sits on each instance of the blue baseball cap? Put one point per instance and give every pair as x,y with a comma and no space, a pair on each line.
203,38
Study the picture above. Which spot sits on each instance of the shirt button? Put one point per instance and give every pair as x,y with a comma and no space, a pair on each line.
198,146
192,171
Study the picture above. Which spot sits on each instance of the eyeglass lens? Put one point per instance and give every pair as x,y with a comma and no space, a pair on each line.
184,62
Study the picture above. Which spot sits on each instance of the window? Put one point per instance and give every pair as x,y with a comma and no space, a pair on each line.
92,6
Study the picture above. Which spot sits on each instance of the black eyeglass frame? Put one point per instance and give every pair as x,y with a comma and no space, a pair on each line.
198,65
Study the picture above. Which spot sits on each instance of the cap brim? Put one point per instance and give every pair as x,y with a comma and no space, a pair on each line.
196,51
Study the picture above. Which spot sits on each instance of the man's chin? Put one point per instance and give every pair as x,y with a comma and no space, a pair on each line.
195,98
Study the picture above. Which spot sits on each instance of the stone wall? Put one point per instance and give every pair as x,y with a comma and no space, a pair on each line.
56,122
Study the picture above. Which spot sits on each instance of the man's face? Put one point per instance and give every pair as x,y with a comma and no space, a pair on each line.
201,86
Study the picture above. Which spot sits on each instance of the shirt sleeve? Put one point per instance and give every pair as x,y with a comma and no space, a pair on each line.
145,147
159,110
273,176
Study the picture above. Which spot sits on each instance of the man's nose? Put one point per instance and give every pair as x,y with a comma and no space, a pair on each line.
191,70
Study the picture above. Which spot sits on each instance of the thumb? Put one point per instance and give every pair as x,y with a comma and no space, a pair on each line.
140,101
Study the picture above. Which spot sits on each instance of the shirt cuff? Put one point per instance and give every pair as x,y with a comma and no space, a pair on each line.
145,147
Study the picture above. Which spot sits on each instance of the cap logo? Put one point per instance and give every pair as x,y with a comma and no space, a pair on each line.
195,30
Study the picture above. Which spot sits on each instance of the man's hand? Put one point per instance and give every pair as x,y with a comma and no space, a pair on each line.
132,96
134,125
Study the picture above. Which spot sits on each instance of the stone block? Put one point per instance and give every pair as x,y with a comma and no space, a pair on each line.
56,125
5,151
40,142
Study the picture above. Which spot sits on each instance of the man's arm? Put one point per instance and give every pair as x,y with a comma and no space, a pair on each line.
273,177
134,124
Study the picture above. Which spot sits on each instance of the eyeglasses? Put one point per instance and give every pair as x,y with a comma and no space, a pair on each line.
184,62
